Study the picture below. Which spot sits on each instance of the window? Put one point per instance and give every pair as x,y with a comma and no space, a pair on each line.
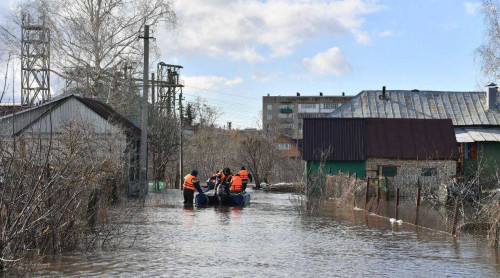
285,116
330,105
429,172
389,171
269,116
308,105
269,107
283,146
286,106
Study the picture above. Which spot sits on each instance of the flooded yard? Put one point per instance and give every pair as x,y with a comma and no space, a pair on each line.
270,238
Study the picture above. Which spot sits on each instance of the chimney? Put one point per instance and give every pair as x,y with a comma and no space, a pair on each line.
383,95
320,94
298,94
343,94
491,96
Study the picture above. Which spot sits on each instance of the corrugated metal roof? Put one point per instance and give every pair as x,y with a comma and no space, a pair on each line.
357,139
29,117
411,139
340,139
111,115
463,108
469,135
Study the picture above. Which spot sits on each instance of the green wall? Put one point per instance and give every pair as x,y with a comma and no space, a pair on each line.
333,167
489,157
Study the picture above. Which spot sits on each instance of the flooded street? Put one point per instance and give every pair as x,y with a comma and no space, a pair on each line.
269,238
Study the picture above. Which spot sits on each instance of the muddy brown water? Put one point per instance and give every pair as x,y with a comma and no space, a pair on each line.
269,238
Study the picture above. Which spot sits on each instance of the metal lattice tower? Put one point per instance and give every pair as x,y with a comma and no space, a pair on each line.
168,85
35,61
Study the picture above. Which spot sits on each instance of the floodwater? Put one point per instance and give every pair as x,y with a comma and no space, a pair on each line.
269,238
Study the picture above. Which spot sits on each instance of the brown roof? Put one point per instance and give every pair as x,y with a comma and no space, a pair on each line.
357,139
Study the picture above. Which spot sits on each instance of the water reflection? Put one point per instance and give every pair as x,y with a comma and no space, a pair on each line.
269,238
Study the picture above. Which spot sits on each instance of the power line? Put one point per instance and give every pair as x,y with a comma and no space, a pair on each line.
219,92
212,100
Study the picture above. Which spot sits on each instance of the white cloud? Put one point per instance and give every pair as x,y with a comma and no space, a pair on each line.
362,37
472,8
232,82
261,76
255,30
209,82
386,33
330,62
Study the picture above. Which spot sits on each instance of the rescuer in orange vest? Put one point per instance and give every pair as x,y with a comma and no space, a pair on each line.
223,180
245,176
212,181
191,183
236,184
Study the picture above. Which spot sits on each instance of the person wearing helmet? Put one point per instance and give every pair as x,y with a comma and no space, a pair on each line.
245,177
191,183
223,180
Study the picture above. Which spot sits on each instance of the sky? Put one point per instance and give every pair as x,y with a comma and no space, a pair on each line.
235,52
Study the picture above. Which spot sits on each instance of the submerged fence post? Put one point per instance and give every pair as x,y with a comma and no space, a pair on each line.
418,192
455,218
417,210
397,202
378,197
367,192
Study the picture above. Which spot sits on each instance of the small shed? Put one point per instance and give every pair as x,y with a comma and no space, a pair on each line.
52,118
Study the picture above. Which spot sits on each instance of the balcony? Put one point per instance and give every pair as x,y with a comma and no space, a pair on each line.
286,110
286,120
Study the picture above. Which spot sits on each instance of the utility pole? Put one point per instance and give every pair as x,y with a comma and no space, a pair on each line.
153,89
181,141
144,118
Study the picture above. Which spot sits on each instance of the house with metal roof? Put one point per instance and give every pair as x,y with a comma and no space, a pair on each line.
52,119
475,117
401,150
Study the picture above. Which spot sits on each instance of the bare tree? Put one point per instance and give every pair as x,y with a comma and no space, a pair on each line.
258,152
45,184
164,143
203,114
94,43
489,51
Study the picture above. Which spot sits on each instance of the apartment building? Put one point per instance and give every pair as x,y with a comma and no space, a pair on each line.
289,111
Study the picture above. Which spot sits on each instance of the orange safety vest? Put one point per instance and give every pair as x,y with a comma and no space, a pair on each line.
189,182
236,184
244,175
223,178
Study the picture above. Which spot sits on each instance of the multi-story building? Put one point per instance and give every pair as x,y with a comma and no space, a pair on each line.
289,111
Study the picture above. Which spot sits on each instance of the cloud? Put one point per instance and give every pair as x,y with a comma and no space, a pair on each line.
362,37
256,30
209,82
386,33
330,62
472,8
232,82
261,76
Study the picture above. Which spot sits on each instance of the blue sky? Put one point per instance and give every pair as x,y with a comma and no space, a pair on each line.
234,52
419,44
